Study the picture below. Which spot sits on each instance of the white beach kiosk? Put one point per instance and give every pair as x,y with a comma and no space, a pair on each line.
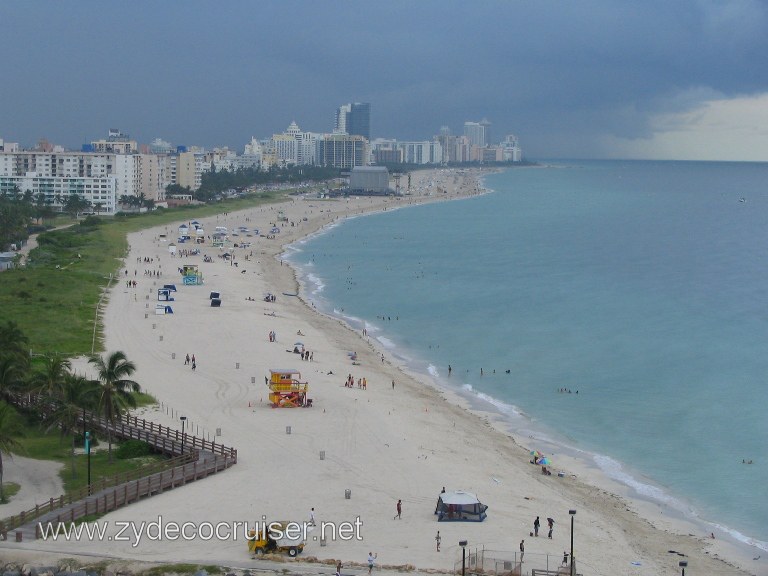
460,506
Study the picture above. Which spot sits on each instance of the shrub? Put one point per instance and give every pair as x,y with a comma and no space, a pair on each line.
133,449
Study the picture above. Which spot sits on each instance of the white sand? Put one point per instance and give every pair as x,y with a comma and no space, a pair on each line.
39,481
382,444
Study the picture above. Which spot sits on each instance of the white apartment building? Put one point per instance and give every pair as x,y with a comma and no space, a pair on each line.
511,151
59,175
426,152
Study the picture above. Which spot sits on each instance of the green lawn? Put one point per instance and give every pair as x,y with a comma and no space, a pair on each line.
10,489
43,445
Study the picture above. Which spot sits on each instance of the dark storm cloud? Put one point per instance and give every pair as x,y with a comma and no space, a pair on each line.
561,74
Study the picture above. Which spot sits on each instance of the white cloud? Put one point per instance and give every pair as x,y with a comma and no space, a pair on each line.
734,129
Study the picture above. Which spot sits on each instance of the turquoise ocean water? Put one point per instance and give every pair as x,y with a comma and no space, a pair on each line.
641,285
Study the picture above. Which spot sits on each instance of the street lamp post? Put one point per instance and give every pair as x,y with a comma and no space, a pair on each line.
573,563
88,454
183,422
463,544
683,564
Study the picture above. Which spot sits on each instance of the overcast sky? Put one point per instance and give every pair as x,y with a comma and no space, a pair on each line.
672,79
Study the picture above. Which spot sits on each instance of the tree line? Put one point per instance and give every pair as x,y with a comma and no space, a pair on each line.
216,182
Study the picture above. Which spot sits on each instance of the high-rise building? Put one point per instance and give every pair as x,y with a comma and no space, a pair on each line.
354,119
476,133
342,151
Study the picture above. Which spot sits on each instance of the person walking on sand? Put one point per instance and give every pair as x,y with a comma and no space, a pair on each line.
186,361
522,550
399,510
312,517
551,523
536,525
437,540
371,559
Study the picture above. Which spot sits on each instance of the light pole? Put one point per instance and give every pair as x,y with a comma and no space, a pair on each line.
573,563
183,422
88,454
463,544
683,564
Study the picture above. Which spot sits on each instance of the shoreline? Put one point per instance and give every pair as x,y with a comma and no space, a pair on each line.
356,432
662,509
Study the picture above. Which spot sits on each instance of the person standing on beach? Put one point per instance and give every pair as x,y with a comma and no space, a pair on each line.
399,510
371,559
522,550
312,517
536,525
186,360
551,524
437,540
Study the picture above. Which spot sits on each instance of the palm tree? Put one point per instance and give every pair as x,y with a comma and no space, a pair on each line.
13,341
9,430
12,373
115,388
74,395
48,381
14,358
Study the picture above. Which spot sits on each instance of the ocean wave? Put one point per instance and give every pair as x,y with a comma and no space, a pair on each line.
614,470
386,342
316,281
736,535
503,407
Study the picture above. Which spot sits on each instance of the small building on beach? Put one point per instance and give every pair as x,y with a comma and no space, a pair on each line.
459,506
369,179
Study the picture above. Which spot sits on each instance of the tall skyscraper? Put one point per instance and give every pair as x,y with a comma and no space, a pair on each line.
354,119
475,131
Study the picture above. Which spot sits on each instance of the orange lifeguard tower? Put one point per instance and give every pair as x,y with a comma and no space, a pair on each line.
287,390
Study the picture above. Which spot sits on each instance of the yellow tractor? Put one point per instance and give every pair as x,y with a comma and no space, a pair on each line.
278,536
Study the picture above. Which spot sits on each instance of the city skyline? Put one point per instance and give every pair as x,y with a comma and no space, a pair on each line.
599,79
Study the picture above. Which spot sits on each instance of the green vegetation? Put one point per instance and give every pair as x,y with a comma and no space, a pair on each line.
10,428
133,449
10,489
181,569
49,445
216,182
67,274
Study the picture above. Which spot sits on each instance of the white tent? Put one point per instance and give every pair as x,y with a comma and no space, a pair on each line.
460,505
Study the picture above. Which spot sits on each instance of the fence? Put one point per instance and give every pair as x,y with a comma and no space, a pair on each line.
499,563
192,458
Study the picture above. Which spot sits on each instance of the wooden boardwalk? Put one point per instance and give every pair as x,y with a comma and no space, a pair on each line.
191,459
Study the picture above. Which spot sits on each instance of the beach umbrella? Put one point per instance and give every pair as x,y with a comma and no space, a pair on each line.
298,343
535,453
544,461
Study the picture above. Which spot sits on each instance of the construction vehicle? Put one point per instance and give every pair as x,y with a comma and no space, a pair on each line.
278,536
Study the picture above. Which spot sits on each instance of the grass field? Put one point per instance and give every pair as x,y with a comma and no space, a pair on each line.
54,298
42,445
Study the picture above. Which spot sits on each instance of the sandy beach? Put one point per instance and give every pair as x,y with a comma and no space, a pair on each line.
399,439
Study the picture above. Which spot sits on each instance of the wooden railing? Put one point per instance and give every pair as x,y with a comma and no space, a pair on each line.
192,458
99,486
